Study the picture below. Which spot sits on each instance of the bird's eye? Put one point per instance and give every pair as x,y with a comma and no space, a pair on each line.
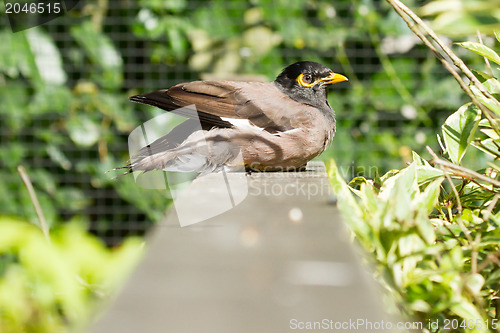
305,80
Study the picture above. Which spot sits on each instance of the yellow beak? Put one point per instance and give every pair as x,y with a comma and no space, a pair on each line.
333,78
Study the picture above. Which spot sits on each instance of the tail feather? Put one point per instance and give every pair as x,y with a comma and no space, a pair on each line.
158,98
128,166
202,152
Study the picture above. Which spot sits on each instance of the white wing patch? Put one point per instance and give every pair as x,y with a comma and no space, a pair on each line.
242,123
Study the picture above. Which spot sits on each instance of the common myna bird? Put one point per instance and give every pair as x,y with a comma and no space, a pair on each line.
275,126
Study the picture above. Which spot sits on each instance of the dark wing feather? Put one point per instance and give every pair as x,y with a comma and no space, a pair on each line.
260,103
164,101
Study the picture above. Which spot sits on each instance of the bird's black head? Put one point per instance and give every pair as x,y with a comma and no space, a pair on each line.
307,82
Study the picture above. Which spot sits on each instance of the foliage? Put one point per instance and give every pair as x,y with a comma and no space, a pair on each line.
434,227
456,17
64,86
65,116
77,130
52,286
420,249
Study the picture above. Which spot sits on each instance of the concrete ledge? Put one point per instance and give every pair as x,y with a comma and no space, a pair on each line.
279,258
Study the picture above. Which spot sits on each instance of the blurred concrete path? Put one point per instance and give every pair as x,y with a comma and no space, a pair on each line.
280,261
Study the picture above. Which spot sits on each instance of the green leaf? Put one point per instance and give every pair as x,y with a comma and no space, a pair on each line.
482,50
425,203
488,146
458,131
492,85
18,62
493,279
404,181
162,5
369,199
410,243
465,310
72,198
177,38
357,181
435,7
348,205
482,76
49,99
427,173
467,18
484,123
14,98
488,102
59,157
426,230
102,52
46,56
84,131
398,193
420,305
419,160
12,154
490,133
429,197
490,240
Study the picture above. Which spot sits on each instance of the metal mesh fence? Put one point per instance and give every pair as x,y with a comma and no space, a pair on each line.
377,113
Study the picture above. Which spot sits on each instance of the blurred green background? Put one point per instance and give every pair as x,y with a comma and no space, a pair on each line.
64,87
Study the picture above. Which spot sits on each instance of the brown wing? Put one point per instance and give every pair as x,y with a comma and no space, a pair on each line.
170,100
263,104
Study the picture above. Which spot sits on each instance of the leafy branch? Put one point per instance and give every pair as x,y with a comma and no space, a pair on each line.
418,26
464,172
438,250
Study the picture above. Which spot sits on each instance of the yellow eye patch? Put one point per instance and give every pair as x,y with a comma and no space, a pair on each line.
300,80
330,79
